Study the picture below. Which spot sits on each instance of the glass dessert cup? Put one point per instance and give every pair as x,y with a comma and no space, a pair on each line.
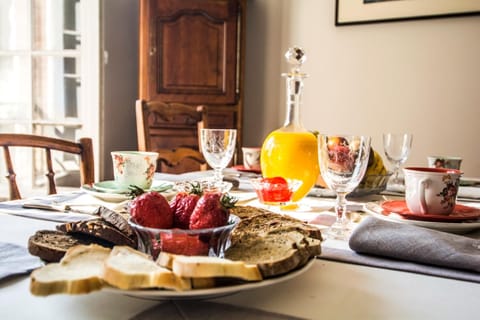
276,191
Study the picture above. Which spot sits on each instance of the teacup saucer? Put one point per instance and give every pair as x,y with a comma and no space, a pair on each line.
109,186
459,214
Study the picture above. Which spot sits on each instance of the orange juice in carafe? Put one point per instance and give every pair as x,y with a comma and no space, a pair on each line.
292,151
291,155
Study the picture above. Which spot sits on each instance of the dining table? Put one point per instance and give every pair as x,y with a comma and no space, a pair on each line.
338,284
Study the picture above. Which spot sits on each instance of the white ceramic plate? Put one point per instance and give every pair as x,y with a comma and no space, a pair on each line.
453,227
208,293
114,196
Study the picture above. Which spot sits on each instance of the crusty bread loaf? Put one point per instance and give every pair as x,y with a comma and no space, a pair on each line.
79,272
51,245
127,268
208,267
276,243
98,228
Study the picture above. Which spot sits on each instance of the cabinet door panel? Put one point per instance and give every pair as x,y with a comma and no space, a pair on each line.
192,51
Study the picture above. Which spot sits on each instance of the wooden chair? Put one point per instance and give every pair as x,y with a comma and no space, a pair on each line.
172,130
83,148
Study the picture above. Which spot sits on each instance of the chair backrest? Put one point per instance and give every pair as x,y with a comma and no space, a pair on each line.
83,148
172,130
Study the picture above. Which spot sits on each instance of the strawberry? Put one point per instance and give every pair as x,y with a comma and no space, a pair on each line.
183,204
152,210
211,211
189,245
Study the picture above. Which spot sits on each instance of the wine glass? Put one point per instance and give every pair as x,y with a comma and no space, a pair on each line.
218,146
343,162
397,148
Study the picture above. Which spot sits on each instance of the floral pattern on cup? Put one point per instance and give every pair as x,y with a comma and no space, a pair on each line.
449,192
431,190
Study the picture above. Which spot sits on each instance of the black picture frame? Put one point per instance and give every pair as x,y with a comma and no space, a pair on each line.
348,12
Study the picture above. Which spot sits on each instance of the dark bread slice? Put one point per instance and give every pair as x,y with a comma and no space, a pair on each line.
270,222
277,253
247,211
117,220
277,243
51,245
261,221
100,229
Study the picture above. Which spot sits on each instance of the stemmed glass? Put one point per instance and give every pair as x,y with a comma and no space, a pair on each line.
218,146
397,148
343,162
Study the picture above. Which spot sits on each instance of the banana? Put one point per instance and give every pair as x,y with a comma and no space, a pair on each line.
375,167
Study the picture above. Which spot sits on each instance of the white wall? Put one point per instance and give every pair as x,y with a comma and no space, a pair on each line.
418,76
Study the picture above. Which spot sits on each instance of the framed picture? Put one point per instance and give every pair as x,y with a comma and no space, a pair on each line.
371,11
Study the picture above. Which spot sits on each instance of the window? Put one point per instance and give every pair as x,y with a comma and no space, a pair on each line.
49,79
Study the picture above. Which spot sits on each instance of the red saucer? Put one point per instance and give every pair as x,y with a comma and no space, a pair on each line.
460,212
243,169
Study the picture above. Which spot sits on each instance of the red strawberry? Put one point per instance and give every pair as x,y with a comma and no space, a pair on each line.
189,245
152,210
211,211
183,204
181,217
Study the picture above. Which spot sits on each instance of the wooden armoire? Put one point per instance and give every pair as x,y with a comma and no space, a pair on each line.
192,52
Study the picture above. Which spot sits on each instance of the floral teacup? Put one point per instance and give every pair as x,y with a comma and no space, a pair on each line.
134,168
431,190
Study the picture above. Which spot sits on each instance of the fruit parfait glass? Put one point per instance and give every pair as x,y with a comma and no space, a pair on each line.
275,191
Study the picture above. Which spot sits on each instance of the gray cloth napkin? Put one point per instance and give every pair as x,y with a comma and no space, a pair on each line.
15,260
416,244
203,310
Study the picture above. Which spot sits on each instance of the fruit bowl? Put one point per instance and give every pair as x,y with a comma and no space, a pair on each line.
204,242
371,184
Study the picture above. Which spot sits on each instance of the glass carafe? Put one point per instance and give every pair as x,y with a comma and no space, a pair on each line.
291,151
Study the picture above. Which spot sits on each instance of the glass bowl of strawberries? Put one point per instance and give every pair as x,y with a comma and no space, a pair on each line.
190,224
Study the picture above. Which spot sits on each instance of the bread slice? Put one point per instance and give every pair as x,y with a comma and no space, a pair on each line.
261,221
78,272
276,243
127,269
51,245
98,228
117,220
276,253
208,267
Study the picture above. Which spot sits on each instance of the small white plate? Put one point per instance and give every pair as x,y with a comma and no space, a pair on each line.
376,210
115,196
208,293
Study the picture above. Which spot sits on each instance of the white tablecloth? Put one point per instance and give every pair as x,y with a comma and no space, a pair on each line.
328,290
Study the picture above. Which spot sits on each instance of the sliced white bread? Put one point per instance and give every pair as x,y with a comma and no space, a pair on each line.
209,267
126,268
79,272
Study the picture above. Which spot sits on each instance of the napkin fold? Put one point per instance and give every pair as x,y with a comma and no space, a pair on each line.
16,260
87,203
204,310
412,243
